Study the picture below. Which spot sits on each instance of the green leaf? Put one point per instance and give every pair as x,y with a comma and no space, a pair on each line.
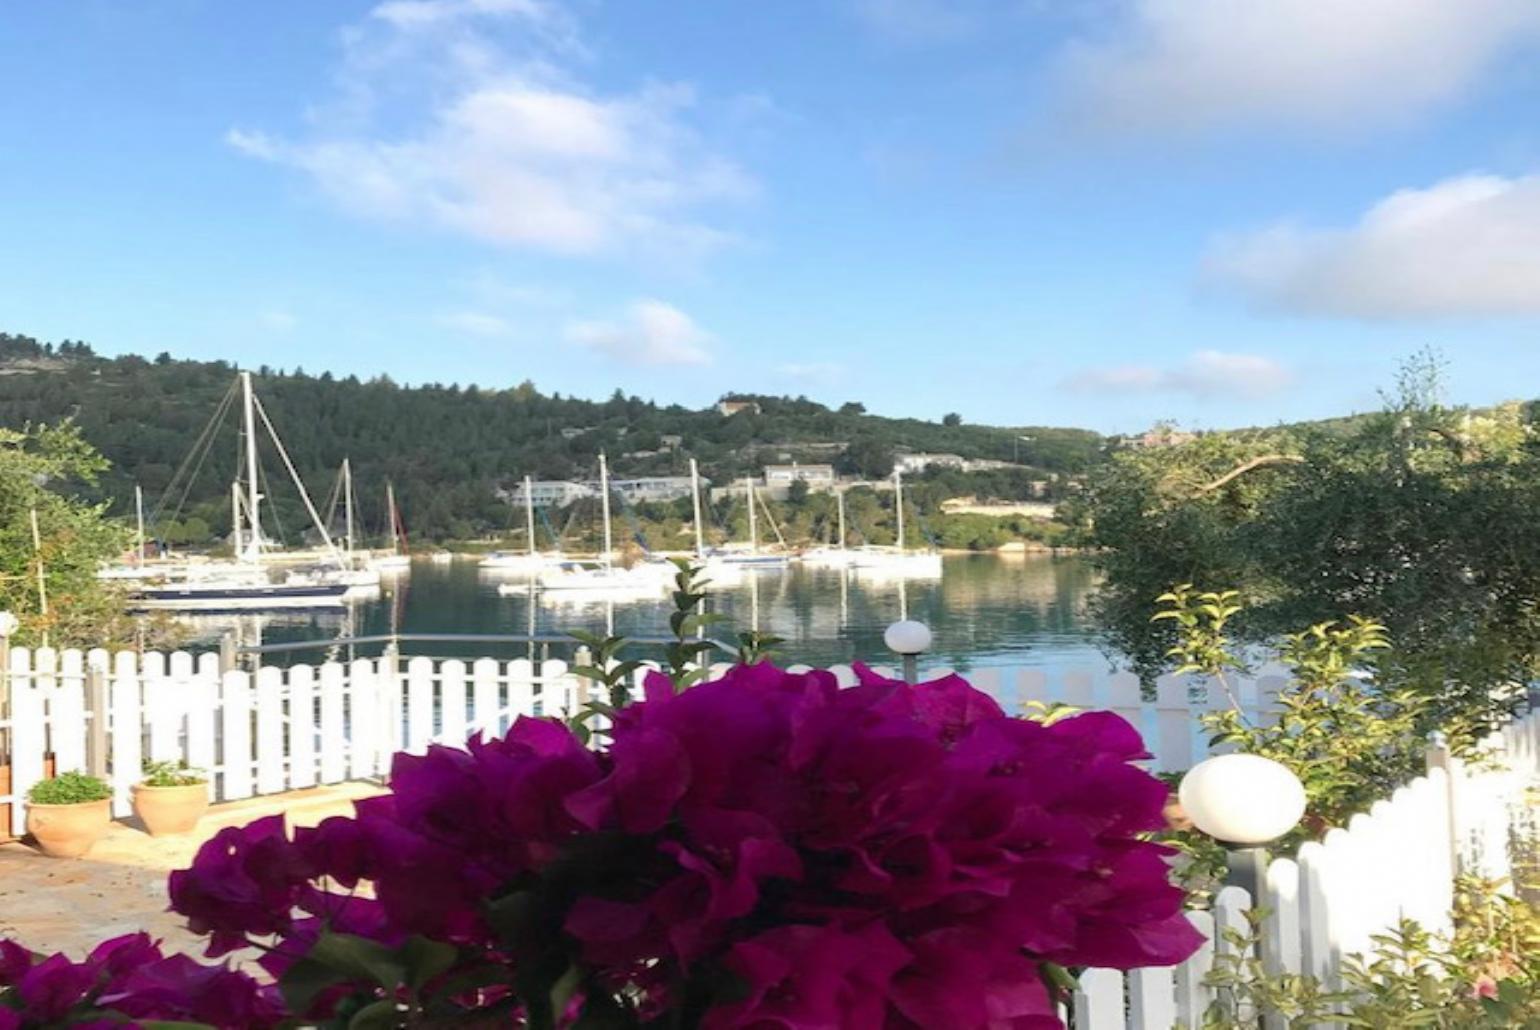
425,959
358,958
381,1015
305,980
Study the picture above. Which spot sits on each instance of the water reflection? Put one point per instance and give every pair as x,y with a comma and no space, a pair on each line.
984,611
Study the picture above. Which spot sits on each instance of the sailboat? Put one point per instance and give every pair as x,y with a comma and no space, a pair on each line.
524,562
136,567
837,555
746,556
604,575
718,572
877,562
355,571
398,560
248,583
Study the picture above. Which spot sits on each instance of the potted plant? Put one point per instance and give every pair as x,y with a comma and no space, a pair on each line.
69,813
171,798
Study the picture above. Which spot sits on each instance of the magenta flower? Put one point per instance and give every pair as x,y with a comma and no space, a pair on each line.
766,849
14,962
52,987
813,978
243,882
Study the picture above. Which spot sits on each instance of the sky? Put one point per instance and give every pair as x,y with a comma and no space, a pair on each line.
1098,213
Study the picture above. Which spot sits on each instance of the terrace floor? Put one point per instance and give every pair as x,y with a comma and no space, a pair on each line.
53,904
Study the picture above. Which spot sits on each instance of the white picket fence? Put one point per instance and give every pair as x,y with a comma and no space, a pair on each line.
1396,861
285,729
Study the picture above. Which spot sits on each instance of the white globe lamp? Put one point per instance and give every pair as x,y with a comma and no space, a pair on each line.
909,640
1245,802
1242,799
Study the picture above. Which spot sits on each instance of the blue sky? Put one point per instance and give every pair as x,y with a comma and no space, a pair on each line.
1097,213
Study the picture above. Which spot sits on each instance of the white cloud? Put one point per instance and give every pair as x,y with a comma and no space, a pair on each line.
916,21
277,321
1197,64
476,323
1465,246
508,148
651,333
417,13
1204,374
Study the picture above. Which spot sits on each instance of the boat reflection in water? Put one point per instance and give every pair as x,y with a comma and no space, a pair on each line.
984,610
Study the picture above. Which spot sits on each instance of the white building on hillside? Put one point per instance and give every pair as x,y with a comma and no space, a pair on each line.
551,493
651,489
919,462
778,478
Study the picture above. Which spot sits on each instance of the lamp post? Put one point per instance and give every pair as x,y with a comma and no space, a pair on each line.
908,639
1245,802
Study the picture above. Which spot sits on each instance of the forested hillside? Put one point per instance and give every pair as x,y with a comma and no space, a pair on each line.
448,448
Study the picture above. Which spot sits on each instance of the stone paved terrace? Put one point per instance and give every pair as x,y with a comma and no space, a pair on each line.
52,904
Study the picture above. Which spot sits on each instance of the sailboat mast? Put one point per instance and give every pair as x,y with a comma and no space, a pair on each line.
748,491
139,519
254,497
529,513
395,520
898,496
839,501
700,530
604,500
347,504
235,517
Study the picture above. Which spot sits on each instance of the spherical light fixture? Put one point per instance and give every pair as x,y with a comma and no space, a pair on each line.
907,637
1242,799
9,624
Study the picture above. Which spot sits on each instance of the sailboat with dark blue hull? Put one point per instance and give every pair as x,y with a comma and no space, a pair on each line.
249,583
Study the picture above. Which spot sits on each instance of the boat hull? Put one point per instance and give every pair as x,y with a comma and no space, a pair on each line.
195,598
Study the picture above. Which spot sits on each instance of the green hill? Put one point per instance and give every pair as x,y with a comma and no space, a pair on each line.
448,448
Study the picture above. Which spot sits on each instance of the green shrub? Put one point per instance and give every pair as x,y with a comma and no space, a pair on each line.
1348,740
1484,976
172,774
71,788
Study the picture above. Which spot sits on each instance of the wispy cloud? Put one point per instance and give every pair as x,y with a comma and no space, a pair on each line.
1190,65
918,21
277,321
1204,374
476,323
1465,246
511,148
650,333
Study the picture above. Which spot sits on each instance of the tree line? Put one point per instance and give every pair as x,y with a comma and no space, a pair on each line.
448,449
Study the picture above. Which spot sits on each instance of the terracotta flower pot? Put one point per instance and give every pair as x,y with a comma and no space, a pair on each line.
167,810
68,831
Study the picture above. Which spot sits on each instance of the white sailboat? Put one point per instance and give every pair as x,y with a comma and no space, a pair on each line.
749,557
398,560
532,560
136,567
836,555
879,562
247,584
604,575
719,573
356,571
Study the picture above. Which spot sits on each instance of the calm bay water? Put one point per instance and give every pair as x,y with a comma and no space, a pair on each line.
985,611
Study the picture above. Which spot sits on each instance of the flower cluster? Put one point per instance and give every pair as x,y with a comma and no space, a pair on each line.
128,980
766,849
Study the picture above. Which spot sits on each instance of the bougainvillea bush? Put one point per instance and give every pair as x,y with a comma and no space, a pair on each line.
763,850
